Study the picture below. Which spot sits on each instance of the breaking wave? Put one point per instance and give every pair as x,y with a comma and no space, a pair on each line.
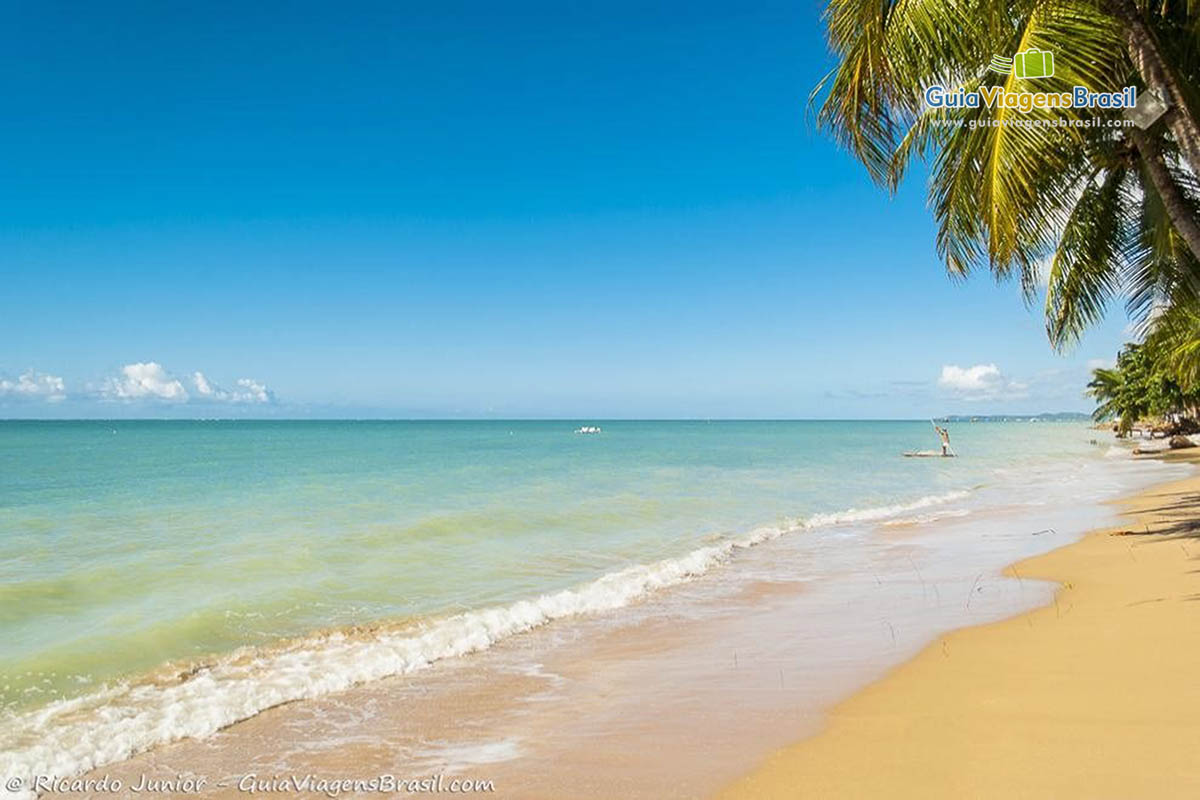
72,736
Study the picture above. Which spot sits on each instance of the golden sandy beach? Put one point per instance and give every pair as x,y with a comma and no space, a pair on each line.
1095,696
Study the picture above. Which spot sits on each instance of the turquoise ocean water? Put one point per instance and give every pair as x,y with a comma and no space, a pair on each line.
125,546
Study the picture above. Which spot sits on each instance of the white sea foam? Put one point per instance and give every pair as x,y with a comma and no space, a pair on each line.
72,736
881,512
462,757
933,516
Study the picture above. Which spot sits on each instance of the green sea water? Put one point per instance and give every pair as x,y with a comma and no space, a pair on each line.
125,545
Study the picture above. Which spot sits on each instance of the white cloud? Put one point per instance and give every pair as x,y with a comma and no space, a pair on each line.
980,382
202,385
144,381
1100,363
32,385
253,392
247,390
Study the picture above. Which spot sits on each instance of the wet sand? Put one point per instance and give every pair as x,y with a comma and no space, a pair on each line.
1092,696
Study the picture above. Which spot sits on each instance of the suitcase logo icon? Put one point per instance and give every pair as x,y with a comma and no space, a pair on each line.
1029,64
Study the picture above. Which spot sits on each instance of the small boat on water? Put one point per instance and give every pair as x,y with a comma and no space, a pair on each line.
588,429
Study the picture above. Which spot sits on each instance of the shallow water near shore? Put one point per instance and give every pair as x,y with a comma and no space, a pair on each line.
269,562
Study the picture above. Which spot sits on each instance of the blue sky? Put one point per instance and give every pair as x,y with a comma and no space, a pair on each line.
470,209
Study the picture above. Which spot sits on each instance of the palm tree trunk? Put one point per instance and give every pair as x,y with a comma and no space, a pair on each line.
1178,208
1158,75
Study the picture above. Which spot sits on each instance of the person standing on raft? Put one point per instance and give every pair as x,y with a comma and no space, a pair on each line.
945,436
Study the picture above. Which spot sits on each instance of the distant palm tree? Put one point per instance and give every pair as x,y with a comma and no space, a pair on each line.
1106,387
1111,210
1144,383
1176,338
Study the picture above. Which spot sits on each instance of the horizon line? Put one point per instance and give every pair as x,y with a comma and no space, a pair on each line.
957,417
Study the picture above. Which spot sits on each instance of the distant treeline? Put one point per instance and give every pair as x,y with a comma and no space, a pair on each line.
1062,416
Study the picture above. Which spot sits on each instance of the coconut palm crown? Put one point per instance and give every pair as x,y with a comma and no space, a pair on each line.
1096,208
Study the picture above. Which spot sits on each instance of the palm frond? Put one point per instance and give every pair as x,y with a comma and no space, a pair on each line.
1086,269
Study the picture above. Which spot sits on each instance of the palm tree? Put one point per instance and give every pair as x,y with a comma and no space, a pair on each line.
1106,386
1117,239
1113,209
1154,33
1143,383
1176,338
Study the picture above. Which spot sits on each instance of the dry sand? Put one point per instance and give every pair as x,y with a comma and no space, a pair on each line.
1095,696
